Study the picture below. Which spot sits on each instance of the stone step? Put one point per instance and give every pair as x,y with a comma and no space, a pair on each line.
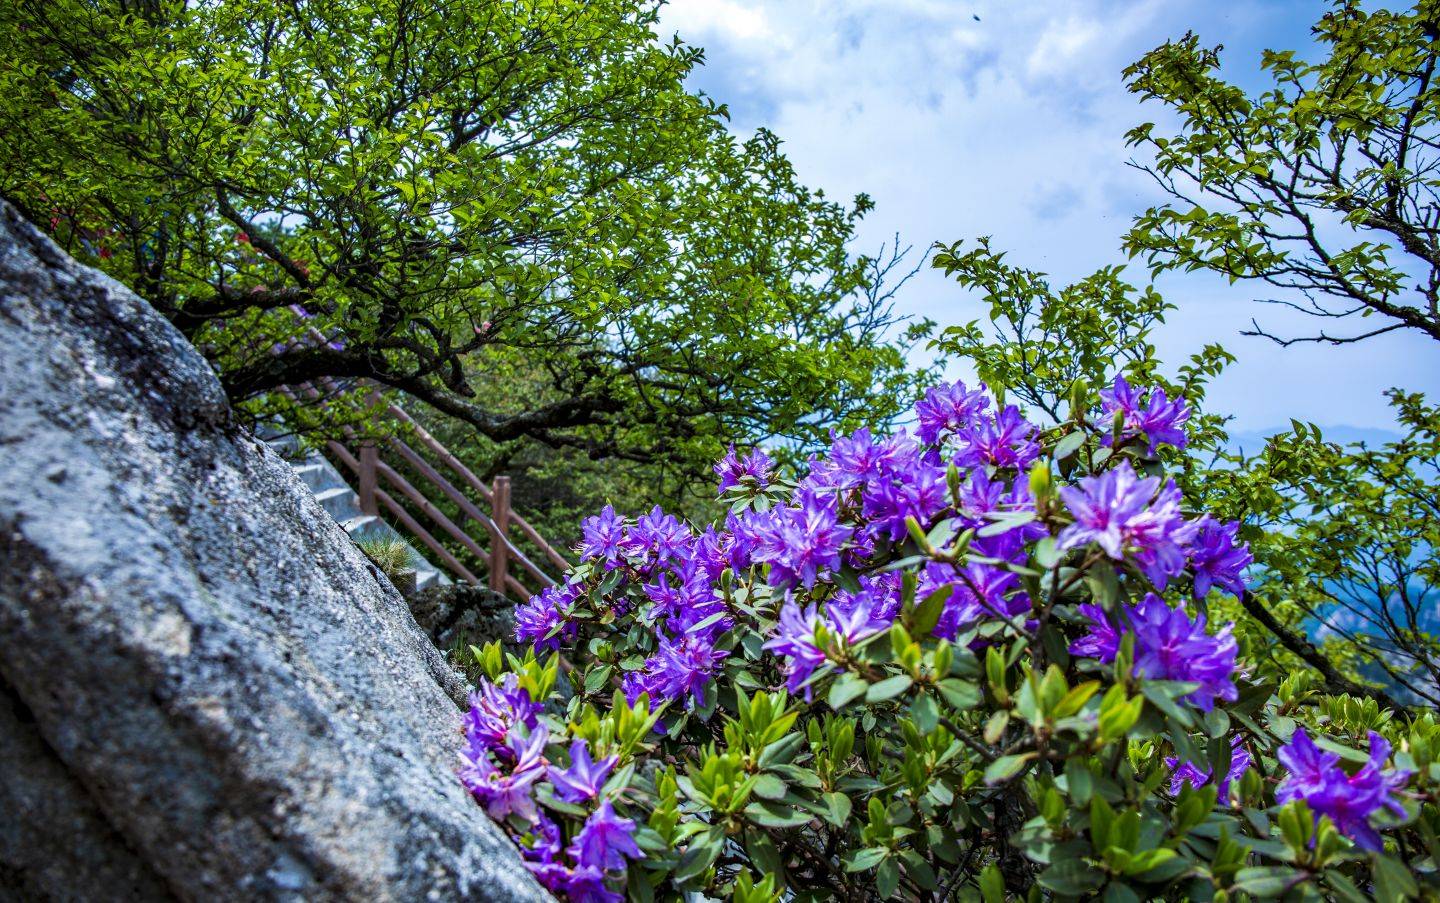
341,502
313,475
361,527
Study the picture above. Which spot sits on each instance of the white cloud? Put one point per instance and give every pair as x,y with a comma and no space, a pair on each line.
983,117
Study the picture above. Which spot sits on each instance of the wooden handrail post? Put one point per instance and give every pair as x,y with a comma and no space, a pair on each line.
369,458
500,544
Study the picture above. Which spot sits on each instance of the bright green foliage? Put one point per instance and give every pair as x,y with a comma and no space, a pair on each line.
1054,349
1001,766
1348,539
1333,529
445,189
1323,185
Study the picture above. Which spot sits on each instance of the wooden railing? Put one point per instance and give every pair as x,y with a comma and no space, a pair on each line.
509,570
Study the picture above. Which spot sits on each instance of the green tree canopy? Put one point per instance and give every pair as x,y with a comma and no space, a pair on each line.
430,186
1323,186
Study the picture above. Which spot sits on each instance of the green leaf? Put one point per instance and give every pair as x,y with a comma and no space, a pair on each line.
768,786
992,884
1393,881
1071,877
960,694
773,815
888,688
597,679
1069,445
1006,767
845,689
864,860
927,613
924,712
1267,881
840,806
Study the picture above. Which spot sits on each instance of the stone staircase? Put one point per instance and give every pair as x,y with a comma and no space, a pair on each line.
342,502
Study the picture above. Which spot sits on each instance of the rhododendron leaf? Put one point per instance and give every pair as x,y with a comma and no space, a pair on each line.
961,694
845,689
1006,767
888,688
864,859
1070,444
1070,877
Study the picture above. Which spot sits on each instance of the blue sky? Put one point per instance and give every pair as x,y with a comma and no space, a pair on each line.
972,117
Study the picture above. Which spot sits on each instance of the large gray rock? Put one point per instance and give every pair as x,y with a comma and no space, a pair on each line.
205,691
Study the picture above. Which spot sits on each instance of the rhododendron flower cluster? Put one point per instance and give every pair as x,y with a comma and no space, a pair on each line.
979,652
1349,800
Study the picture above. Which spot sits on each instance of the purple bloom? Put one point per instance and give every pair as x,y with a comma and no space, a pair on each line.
1159,419
506,791
1169,646
734,470
659,537
579,885
795,640
1004,440
1215,558
542,842
586,884
804,540
950,408
584,778
632,685
1187,773
1123,513
857,459
602,538
977,591
495,709
855,616
917,490
682,667
543,613
1348,799
605,840
1103,640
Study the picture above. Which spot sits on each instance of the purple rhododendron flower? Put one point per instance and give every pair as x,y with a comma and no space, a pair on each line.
1215,559
1348,799
495,709
1123,513
1004,440
795,640
602,538
1157,418
977,591
659,537
801,542
851,617
542,842
733,470
951,408
584,777
1168,646
543,613
605,840
632,685
1103,640
586,884
917,490
681,667
1188,773
507,791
